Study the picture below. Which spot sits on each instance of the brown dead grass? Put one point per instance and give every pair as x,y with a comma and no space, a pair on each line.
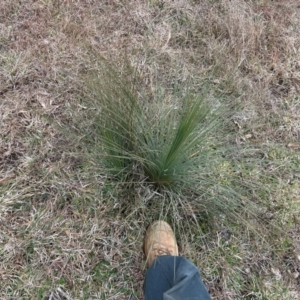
61,230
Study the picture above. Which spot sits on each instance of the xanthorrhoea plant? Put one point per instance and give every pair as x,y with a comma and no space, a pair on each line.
174,144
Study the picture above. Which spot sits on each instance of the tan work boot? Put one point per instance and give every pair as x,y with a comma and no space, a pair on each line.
159,240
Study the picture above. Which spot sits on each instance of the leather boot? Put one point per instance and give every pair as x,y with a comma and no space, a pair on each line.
159,240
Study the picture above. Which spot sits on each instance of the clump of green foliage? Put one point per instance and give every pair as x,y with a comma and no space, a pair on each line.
175,144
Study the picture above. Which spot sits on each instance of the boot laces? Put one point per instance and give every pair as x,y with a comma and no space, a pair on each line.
159,250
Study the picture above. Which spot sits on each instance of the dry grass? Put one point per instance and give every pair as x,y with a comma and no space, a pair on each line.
64,233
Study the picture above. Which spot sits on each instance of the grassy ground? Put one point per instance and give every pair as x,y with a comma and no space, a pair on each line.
65,232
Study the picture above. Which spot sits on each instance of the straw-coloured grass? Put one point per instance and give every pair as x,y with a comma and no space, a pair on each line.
68,228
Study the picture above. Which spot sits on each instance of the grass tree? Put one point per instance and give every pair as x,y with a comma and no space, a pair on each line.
176,144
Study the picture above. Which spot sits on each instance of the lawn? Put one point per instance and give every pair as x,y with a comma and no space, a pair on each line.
71,229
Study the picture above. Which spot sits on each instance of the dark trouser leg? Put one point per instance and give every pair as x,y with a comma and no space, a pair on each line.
174,278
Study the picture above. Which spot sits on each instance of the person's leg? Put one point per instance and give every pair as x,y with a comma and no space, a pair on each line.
172,278
169,277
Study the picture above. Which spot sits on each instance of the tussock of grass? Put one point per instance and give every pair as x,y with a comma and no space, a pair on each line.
176,145
164,140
